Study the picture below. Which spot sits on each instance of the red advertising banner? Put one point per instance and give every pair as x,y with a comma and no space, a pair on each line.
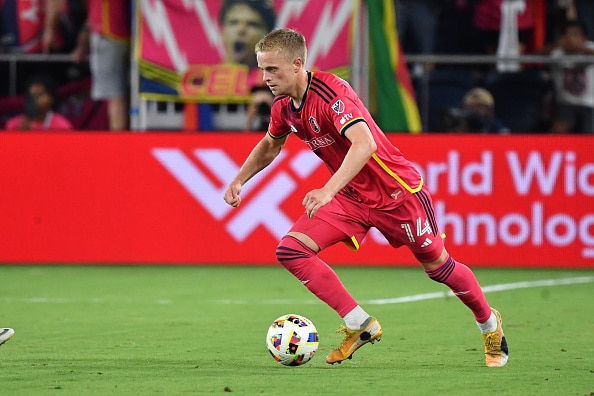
157,198
204,49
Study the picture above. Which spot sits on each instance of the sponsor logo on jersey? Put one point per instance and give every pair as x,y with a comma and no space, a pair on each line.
345,118
318,142
314,124
338,107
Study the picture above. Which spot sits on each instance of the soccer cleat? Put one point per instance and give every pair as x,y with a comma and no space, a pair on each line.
5,334
355,339
496,352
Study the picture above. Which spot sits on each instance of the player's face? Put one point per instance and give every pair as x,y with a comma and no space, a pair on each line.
278,72
243,27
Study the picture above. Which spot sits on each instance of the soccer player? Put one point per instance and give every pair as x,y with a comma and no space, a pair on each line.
5,334
372,185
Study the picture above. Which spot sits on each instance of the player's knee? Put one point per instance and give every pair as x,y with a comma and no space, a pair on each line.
442,272
291,252
431,259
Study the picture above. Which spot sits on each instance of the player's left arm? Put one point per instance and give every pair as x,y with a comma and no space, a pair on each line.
362,148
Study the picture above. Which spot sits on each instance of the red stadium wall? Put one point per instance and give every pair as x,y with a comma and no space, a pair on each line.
157,198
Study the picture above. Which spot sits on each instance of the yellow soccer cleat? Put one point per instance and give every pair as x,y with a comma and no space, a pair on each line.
355,339
496,351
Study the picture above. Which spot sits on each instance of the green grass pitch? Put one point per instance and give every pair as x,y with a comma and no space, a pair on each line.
159,330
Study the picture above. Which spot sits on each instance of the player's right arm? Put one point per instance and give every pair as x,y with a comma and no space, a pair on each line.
261,156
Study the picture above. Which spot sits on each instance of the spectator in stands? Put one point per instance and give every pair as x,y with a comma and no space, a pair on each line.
106,38
62,24
416,21
24,24
585,13
477,115
38,113
573,83
258,112
51,37
579,10
244,23
488,20
480,113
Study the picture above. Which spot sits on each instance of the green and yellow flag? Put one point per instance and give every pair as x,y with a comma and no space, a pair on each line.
396,107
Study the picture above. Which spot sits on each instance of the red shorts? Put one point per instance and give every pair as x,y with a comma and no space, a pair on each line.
344,220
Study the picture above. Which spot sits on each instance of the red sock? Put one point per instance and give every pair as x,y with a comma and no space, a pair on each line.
315,274
461,280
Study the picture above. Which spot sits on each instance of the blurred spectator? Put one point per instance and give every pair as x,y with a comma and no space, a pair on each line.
63,21
23,24
585,12
416,21
35,26
477,115
38,112
558,12
573,83
106,38
258,112
580,10
488,18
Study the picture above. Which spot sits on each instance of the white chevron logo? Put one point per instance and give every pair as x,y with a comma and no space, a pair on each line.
427,242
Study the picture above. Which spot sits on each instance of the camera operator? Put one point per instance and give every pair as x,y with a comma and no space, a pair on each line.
477,115
258,112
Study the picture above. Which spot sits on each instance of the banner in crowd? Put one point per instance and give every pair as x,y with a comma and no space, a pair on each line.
203,50
391,84
158,198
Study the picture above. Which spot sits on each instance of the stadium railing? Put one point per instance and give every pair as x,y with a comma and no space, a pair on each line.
470,61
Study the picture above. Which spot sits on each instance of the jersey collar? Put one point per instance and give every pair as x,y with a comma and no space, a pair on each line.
298,109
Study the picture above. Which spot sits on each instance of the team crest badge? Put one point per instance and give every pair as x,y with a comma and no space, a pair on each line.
314,125
338,107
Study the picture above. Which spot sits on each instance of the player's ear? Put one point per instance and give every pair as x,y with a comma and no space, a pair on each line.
297,64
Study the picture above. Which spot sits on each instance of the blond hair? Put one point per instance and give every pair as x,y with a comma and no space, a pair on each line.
479,96
287,41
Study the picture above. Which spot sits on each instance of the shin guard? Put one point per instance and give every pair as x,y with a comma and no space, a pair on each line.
461,280
314,274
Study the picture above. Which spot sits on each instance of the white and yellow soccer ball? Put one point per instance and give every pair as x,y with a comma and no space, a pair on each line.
292,340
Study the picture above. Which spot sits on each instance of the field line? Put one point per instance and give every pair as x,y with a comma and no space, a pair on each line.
430,296
382,301
486,289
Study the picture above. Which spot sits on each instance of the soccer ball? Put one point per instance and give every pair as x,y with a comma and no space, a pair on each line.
292,340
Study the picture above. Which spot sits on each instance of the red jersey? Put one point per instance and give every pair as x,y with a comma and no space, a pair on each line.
110,18
21,25
52,122
329,107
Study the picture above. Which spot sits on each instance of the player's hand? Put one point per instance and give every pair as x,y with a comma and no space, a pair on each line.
232,194
314,200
